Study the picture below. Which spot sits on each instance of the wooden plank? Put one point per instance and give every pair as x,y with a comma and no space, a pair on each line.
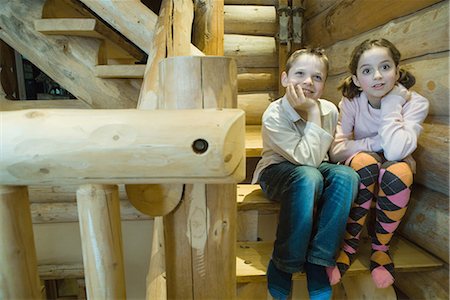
68,26
251,51
106,146
431,72
252,259
75,58
253,141
423,224
425,32
119,71
250,20
8,105
49,272
335,25
208,27
251,197
254,105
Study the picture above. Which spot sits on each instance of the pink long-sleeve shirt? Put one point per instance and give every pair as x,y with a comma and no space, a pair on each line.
394,128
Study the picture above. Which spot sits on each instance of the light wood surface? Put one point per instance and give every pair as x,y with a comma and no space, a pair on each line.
7,105
19,277
101,241
253,140
119,71
335,25
108,148
208,28
254,105
250,20
253,257
251,51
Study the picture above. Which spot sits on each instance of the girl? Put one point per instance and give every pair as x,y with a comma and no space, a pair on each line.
297,131
378,128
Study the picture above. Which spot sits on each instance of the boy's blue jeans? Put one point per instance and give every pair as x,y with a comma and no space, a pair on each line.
301,236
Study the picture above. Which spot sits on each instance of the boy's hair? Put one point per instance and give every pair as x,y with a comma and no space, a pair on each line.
319,52
348,87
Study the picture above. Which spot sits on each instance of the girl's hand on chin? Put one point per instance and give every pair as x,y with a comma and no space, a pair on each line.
400,90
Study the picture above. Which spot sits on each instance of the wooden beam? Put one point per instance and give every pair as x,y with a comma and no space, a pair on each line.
119,71
251,51
20,279
335,25
208,26
115,146
254,105
7,105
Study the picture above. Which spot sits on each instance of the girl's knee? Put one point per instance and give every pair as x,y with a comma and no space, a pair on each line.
364,159
394,169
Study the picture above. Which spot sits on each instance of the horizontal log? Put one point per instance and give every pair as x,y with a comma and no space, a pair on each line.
431,72
64,212
49,272
250,20
432,156
335,23
251,51
57,147
119,71
257,79
249,2
7,105
415,35
63,193
254,106
424,284
425,221
314,7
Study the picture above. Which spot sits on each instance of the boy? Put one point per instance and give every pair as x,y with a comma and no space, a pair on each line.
297,132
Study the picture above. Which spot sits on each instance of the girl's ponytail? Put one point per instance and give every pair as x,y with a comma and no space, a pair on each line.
406,78
348,88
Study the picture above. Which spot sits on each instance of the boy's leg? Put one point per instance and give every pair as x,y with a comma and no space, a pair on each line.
295,187
393,197
341,187
367,165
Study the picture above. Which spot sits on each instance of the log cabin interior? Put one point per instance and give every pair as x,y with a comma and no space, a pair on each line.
84,215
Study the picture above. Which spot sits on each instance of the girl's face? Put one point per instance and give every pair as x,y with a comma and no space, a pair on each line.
308,71
377,73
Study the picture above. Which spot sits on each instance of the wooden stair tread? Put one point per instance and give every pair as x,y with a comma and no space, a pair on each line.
252,259
119,71
251,197
68,26
253,140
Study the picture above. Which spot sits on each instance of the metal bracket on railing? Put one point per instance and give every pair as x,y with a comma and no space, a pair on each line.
284,12
297,21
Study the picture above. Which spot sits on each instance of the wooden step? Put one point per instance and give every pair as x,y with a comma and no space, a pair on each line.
253,141
251,197
252,259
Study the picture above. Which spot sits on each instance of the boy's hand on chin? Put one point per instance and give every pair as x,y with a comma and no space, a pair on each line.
297,99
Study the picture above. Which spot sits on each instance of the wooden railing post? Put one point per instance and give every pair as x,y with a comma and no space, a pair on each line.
101,236
19,277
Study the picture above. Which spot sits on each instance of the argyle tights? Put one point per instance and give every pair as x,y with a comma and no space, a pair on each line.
389,183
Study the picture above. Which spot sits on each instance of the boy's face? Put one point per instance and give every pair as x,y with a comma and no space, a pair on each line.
309,72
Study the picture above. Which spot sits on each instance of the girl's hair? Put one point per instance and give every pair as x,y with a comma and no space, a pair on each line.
319,52
348,87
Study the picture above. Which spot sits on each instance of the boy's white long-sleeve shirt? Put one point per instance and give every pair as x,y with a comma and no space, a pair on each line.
393,129
288,137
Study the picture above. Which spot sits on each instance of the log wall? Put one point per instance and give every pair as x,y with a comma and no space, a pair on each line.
420,30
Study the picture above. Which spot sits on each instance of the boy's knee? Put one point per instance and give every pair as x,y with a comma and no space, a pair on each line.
307,176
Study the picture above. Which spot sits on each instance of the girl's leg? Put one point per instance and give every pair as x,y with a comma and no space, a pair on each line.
367,165
393,197
296,188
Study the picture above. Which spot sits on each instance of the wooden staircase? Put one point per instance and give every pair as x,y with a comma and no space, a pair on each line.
112,80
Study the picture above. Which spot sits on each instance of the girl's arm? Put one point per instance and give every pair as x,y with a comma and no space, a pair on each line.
308,149
401,124
344,144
